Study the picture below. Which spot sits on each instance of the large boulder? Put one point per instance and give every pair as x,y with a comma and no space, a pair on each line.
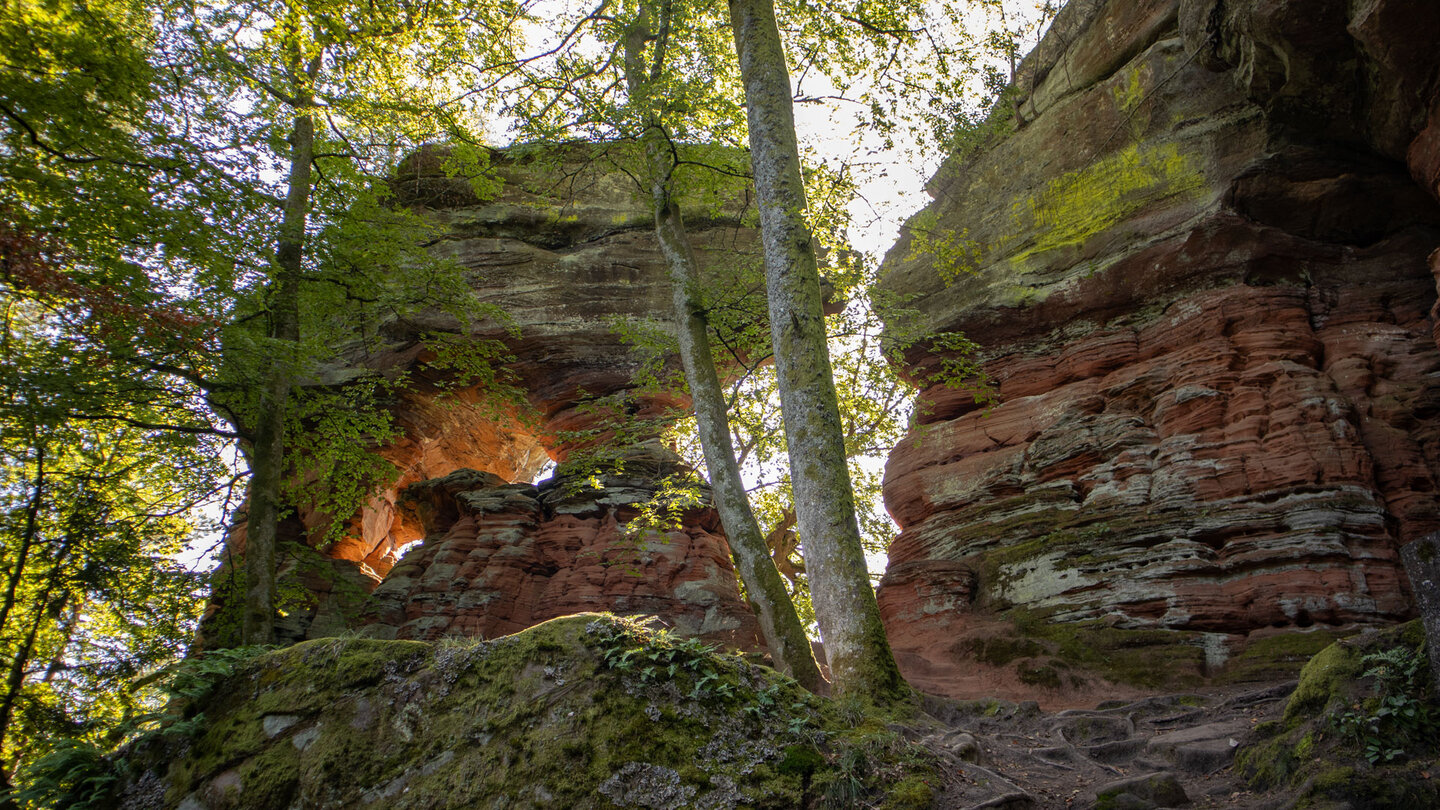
582,712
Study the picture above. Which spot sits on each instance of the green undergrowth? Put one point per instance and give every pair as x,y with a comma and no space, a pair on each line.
1277,657
1362,728
1157,658
587,711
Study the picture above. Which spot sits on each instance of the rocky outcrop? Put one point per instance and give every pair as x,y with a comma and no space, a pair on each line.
503,557
569,280
585,712
563,261
1194,253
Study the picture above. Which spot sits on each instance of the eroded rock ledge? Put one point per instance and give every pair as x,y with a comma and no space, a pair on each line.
503,557
1200,281
566,250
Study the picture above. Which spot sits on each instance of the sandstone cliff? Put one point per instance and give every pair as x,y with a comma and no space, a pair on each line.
566,252
1195,255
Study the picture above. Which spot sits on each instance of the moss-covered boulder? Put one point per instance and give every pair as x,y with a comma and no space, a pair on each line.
586,711
1362,728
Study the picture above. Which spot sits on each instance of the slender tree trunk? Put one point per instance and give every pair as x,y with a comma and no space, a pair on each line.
267,452
12,585
27,540
46,603
15,677
855,645
779,622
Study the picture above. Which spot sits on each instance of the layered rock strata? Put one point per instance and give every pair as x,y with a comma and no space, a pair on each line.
501,557
564,262
1194,254
569,278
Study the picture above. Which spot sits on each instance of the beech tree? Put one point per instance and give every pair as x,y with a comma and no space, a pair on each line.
856,647
670,110
645,70
351,85
651,87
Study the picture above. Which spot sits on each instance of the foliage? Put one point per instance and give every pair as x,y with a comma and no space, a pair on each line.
632,647
1401,719
1358,730
104,455
94,505
655,654
81,774
74,775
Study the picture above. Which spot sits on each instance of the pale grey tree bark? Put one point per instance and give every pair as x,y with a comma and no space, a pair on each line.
856,648
779,623
267,448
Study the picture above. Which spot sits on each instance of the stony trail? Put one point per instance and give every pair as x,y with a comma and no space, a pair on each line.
1155,752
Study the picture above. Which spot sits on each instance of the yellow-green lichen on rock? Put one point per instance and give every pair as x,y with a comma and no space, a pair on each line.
586,711
1078,205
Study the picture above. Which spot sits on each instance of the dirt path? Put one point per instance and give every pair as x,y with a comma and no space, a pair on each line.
1155,752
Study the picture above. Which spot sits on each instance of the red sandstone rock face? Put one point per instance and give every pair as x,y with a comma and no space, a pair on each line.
502,557
567,253
1204,296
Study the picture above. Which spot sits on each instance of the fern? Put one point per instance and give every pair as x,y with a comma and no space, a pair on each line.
75,775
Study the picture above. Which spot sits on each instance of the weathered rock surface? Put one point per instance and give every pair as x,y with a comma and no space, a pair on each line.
565,265
581,712
500,557
566,251
1200,284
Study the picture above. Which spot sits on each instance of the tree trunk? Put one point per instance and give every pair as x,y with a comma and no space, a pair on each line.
22,656
855,645
779,622
267,452
46,604
27,540
1421,559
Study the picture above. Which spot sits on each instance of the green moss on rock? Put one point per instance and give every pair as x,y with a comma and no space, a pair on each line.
1310,751
1156,658
587,711
1078,205
1276,657
1323,680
